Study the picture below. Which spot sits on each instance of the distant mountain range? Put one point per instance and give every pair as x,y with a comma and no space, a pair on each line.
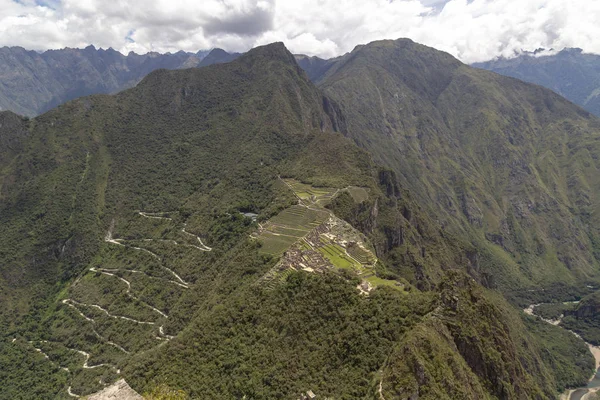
32,83
570,73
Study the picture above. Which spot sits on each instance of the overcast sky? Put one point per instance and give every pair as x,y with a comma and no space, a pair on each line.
472,30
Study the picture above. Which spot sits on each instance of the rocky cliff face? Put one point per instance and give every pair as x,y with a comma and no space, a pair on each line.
119,390
100,206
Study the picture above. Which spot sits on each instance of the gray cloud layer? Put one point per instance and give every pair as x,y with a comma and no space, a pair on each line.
472,30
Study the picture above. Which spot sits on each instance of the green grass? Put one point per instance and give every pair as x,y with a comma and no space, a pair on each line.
338,258
272,244
288,226
359,194
305,191
303,195
376,281
296,232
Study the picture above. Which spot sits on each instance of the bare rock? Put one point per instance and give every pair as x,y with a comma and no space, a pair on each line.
119,390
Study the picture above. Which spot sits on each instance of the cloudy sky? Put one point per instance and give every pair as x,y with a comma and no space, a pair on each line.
472,30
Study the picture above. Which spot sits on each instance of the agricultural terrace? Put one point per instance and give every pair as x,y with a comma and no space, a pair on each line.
311,238
310,195
289,226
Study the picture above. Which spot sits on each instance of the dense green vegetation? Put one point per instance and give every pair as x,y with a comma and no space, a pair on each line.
310,333
507,167
126,254
553,311
427,361
570,72
584,318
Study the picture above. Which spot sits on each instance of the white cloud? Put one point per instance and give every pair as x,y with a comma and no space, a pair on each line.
472,30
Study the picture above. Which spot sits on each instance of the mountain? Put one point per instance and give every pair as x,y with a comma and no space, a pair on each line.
511,168
314,67
218,56
570,73
32,83
211,233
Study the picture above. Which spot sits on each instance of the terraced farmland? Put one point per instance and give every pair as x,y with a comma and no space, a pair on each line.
361,255
311,195
287,227
312,239
336,254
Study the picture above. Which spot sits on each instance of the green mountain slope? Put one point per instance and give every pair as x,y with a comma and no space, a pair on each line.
509,167
208,231
570,73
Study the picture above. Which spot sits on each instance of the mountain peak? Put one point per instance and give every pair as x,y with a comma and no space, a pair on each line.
217,56
217,51
273,51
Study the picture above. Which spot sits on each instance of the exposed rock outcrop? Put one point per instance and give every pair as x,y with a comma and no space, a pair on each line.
119,390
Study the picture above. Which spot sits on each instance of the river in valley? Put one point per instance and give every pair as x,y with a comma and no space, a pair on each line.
584,392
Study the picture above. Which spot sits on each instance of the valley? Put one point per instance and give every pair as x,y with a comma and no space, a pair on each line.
593,386
235,231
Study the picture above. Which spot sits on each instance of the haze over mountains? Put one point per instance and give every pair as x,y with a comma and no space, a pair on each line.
242,231
570,73
32,83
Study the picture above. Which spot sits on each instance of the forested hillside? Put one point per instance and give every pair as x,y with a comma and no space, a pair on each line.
508,167
209,232
569,72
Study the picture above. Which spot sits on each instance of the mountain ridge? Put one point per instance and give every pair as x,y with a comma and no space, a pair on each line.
570,73
130,250
454,114
32,83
